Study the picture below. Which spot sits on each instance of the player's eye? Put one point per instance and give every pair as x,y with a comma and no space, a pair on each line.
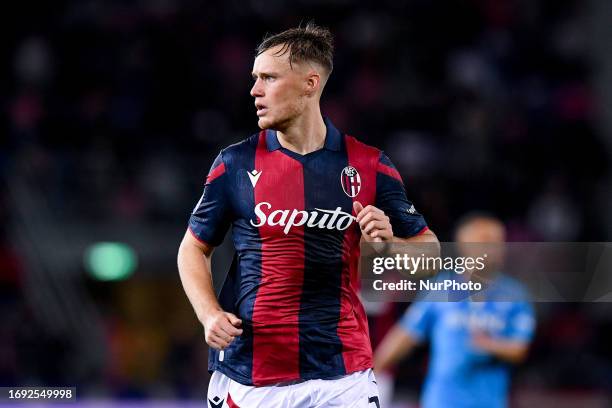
265,78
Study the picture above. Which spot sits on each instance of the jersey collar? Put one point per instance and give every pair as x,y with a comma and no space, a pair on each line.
333,138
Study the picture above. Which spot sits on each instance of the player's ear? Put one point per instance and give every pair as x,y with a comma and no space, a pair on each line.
313,83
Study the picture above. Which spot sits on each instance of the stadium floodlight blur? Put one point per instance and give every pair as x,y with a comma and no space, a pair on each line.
109,261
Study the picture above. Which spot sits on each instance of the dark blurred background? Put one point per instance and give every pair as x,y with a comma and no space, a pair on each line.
112,112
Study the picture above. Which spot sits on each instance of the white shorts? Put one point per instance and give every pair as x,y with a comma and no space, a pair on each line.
358,390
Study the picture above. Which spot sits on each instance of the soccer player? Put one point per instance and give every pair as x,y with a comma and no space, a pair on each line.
473,343
288,329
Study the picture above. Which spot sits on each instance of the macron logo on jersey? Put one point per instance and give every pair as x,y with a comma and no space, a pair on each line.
254,176
326,219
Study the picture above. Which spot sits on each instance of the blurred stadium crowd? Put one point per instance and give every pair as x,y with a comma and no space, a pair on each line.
113,112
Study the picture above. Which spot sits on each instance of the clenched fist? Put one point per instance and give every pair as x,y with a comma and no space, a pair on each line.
373,223
220,329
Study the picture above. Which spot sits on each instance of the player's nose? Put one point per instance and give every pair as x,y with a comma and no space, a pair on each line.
257,89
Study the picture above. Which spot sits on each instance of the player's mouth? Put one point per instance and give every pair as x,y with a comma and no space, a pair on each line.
261,109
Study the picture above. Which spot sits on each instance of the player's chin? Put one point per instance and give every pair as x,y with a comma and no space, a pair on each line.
265,123
262,123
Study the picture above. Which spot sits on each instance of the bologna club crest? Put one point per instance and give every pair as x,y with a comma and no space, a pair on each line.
350,180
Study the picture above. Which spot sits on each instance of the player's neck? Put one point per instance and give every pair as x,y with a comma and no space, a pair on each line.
305,135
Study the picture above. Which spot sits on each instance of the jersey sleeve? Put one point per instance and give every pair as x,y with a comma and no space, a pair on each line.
210,218
391,198
419,319
521,324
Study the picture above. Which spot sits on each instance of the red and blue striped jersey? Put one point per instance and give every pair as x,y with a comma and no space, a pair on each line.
294,280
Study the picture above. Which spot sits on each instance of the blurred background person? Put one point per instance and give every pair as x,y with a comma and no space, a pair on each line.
474,338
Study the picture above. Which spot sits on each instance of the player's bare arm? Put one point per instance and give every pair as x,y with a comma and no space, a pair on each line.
220,327
512,351
395,346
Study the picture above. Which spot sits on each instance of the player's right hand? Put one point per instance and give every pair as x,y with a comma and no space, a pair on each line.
220,328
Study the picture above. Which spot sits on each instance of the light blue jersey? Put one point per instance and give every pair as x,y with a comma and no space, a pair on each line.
459,374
